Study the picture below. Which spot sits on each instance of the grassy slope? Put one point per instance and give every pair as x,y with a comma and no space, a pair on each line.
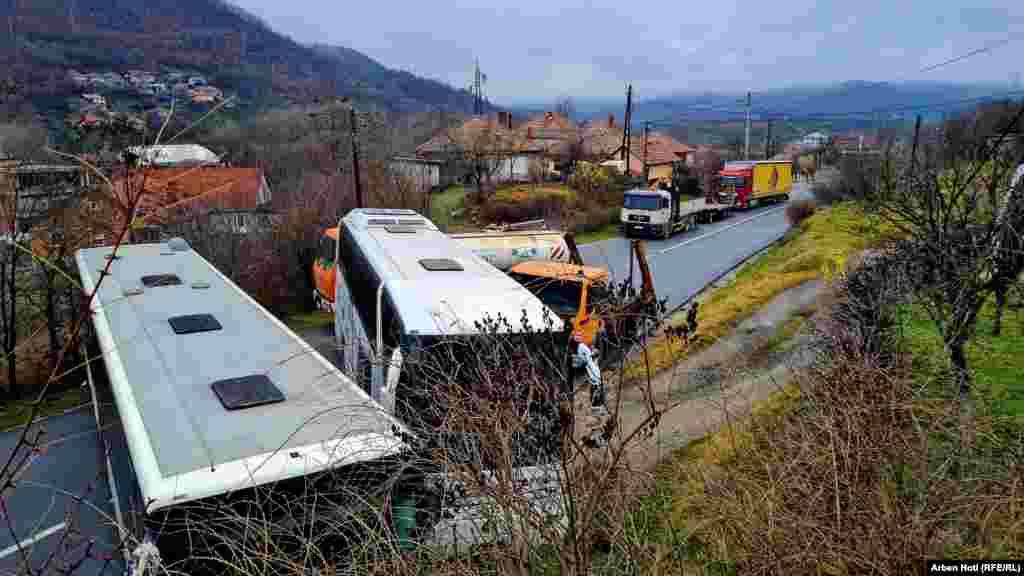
995,361
443,203
999,377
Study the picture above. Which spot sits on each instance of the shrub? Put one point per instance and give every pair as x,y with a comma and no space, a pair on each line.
545,206
591,219
797,212
829,192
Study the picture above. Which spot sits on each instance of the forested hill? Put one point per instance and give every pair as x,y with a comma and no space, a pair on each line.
233,49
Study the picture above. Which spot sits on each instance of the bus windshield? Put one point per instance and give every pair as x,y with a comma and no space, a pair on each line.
449,374
635,202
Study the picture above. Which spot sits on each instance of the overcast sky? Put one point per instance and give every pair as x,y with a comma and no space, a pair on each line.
540,49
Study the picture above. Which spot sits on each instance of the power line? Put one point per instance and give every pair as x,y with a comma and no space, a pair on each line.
975,52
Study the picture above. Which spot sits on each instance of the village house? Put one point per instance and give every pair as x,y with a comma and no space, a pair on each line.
603,142
554,134
216,198
662,155
424,174
815,140
855,141
514,162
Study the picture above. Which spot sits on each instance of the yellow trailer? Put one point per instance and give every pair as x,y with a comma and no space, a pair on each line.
772,179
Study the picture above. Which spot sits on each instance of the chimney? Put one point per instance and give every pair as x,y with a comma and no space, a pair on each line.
611,120
508,117
503,119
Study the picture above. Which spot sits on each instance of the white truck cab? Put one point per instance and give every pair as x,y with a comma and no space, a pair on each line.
647,212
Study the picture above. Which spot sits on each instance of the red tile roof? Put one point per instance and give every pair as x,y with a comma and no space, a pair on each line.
548,126
441,141
661,149
195,189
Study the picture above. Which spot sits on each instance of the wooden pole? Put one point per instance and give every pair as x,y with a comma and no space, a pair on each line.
355,156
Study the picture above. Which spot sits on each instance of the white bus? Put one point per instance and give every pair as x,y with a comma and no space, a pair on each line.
217,398
407,295
402,285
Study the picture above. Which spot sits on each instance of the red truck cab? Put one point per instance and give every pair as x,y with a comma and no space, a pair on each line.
735,183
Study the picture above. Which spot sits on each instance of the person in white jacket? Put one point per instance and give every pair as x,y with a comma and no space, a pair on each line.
584,357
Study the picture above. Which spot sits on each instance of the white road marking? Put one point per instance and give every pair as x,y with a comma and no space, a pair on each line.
32,540
720,230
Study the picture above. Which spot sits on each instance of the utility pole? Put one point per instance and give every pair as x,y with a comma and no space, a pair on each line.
626,123
768,144
647,127
355,153
746,139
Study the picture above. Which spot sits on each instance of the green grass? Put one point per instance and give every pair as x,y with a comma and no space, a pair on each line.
994,361
15,413
609,231
309,320
443,203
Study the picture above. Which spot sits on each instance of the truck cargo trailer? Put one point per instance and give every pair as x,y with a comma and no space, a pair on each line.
755,183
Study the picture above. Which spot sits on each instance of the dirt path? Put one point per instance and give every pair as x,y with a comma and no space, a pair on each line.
717,383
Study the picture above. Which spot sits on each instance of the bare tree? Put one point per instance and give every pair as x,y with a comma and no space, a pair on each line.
956,219
707,163
485,149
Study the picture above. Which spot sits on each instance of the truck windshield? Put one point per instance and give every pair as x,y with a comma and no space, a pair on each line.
738,181
562,297
632,202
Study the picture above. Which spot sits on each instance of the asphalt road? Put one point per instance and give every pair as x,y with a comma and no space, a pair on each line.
685,263
60,502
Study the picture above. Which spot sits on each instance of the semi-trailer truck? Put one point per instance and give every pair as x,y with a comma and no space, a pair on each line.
754,183
663,213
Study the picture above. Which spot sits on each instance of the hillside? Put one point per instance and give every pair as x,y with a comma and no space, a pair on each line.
233,49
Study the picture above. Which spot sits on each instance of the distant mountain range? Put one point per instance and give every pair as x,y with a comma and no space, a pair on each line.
844,103
234,49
